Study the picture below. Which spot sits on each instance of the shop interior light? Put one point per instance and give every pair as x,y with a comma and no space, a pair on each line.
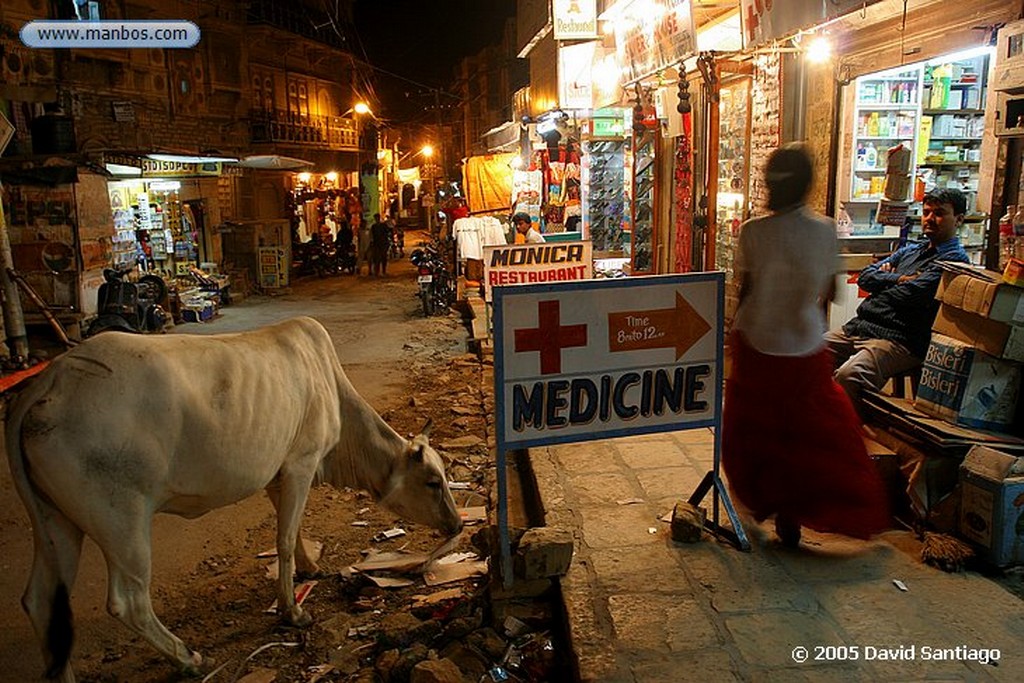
818,49
165,185
428,151
332,176
124,171
192,159
305,177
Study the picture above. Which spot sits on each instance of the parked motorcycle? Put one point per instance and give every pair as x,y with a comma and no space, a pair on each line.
437,289
314,258
129,306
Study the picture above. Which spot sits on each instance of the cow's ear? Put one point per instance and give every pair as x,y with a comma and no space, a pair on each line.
426,427
418,453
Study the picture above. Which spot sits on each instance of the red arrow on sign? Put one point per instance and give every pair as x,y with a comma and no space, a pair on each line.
680,327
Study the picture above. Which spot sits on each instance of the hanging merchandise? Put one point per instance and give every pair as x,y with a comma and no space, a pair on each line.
683,209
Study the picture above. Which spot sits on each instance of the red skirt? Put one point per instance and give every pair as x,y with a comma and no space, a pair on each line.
792,444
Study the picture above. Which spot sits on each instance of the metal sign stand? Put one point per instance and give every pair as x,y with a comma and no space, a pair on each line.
712,481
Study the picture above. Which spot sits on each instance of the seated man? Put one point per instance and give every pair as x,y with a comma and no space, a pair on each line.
892,328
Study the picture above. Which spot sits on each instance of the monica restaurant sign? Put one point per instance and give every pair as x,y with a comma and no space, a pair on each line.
524,264
578,361
574,19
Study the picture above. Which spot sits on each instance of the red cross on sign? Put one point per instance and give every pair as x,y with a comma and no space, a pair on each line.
550,337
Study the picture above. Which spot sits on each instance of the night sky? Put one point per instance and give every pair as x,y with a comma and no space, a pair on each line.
421,41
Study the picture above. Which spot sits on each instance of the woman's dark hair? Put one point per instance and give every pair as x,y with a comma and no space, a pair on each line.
788,174
521,217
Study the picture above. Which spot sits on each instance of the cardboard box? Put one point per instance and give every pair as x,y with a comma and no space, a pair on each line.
993,337
964,385
981,291
992,504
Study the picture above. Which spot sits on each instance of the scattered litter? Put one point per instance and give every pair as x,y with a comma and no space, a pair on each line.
667,517
899,584
652,530
630,501
387,582
313,549
447,573
261,648
302,592
473,515
261,675
456,557
439,596
392,561
361,523
362,511
514,627
462,410
274,569
319,671
460,486
467,441
498,674
389,534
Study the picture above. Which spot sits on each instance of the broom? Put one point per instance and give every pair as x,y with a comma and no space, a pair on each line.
945,552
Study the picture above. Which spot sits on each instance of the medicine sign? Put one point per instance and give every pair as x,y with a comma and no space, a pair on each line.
594,359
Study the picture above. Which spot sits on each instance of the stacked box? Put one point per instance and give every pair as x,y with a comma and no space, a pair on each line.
967,386
992,504
972,372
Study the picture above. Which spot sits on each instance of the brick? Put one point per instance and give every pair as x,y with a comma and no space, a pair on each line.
543,552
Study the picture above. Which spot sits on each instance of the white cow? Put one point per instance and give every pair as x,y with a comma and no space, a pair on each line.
125,426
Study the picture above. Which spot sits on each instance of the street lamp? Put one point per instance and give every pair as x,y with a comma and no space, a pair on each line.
426,150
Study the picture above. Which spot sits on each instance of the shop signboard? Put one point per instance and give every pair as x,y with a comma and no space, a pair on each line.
151,168
575,80
651,35
574,19
598,359
765,21
533,263
595,359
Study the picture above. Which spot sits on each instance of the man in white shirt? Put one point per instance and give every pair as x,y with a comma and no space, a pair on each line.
524,226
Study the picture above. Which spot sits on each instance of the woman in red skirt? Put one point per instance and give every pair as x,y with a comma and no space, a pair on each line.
792,444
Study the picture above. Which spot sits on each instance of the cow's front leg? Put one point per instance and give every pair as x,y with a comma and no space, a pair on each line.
292,493
305,564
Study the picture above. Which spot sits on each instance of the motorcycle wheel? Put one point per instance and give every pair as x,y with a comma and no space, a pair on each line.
428,303
156,285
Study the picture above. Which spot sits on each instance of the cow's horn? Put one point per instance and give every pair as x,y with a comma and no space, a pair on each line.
426,427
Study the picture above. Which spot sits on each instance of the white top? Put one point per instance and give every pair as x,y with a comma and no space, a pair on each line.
787,263
533,237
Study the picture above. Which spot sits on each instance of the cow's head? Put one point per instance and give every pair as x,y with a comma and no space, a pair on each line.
417,489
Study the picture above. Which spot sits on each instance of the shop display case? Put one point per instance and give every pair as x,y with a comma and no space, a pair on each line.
642,237
934,108
731,198
603,196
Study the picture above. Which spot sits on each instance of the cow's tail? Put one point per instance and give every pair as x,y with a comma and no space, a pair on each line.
60,628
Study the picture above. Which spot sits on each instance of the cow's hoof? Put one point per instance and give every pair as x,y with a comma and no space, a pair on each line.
301,619
197,665
310,575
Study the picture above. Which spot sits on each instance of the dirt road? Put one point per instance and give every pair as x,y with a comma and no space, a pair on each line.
208,585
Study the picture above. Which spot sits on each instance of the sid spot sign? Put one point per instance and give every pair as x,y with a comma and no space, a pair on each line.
577,361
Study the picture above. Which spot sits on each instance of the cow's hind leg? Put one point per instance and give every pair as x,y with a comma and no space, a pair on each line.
129,564
292,491
47,598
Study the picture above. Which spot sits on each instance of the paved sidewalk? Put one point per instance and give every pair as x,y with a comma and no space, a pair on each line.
643,608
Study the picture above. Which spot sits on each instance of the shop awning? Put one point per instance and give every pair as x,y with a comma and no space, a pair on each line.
274,162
